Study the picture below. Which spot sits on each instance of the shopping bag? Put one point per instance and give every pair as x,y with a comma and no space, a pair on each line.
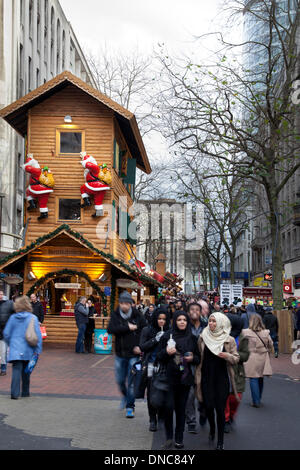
31,364
43,332
139,372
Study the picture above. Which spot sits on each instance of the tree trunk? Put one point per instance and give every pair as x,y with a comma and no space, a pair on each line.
277,284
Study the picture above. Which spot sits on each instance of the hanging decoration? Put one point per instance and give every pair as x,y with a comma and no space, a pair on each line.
40,187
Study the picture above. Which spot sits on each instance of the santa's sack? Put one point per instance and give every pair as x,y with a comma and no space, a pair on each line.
102,341
43,332
31,364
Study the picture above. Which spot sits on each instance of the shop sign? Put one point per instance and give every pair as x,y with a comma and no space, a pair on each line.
287,286
297,281
67,285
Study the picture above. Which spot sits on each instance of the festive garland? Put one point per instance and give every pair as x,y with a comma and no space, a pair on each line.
78,236
113,294
70,272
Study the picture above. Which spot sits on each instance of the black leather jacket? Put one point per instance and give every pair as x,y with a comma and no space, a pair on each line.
6,309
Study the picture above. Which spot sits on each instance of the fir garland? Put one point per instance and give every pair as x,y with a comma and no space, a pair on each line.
70,272
78,236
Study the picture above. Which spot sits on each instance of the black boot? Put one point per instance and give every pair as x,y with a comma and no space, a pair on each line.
32,205
43,215
98,213
153,425
86,202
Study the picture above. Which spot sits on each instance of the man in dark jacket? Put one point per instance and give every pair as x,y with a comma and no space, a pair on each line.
37,308
6,309
126,323
271,323
82,317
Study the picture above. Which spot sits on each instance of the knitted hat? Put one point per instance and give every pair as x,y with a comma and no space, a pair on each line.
125,297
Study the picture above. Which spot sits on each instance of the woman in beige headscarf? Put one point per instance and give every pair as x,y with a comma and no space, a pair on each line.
215,376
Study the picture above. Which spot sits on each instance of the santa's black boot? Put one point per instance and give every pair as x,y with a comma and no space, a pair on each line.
32,205
98,213
86,202
43,215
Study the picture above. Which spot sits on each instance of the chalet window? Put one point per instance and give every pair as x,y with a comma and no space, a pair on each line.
69,209
70,142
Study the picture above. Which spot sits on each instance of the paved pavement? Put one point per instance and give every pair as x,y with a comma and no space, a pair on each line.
74,405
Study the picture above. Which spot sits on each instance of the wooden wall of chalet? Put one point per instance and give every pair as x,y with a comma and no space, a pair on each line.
98,123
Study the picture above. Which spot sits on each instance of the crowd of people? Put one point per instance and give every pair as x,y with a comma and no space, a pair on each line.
194,358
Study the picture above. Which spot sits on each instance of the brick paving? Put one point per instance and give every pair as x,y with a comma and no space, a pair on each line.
60,371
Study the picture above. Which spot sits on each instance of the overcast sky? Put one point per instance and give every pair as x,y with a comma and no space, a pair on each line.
124,24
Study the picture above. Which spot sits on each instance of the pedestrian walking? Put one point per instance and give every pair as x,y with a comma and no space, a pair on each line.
81,316
178,360
194,313
20,351
90,327
150,337
126,323
236,323
148,313
37,308
6,310
218,354
232,403
258,364
271,323
250,310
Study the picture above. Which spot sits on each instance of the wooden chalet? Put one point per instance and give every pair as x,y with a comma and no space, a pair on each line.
71,253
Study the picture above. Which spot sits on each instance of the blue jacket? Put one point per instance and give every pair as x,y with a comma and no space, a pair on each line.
14,335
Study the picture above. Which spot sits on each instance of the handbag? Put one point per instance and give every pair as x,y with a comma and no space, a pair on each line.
30,335
139,373
43,332
159,378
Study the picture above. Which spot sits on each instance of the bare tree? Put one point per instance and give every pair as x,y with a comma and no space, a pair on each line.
242,114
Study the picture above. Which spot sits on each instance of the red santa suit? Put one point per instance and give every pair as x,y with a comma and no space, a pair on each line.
36,190
93,185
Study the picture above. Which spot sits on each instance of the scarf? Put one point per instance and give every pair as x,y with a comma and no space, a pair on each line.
215,340
126,316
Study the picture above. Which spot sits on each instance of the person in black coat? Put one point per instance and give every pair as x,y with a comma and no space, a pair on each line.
6,310
150,337
236,322
88,337
271,323
37,308
126,323
178,361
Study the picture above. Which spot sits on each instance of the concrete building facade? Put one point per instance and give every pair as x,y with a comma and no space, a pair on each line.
36,43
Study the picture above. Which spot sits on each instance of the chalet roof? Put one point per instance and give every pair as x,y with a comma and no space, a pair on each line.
78,237
16,114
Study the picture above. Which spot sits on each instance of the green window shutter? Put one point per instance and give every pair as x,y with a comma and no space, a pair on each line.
113,215
115,147
131,169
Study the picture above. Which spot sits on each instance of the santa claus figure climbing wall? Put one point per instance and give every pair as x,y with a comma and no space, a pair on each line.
97,181
41,185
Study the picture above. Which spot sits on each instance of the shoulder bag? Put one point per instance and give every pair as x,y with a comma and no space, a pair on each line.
30,335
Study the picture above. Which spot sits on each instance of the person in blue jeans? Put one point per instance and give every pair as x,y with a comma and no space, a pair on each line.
126,323
260,346
82,317
20,352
